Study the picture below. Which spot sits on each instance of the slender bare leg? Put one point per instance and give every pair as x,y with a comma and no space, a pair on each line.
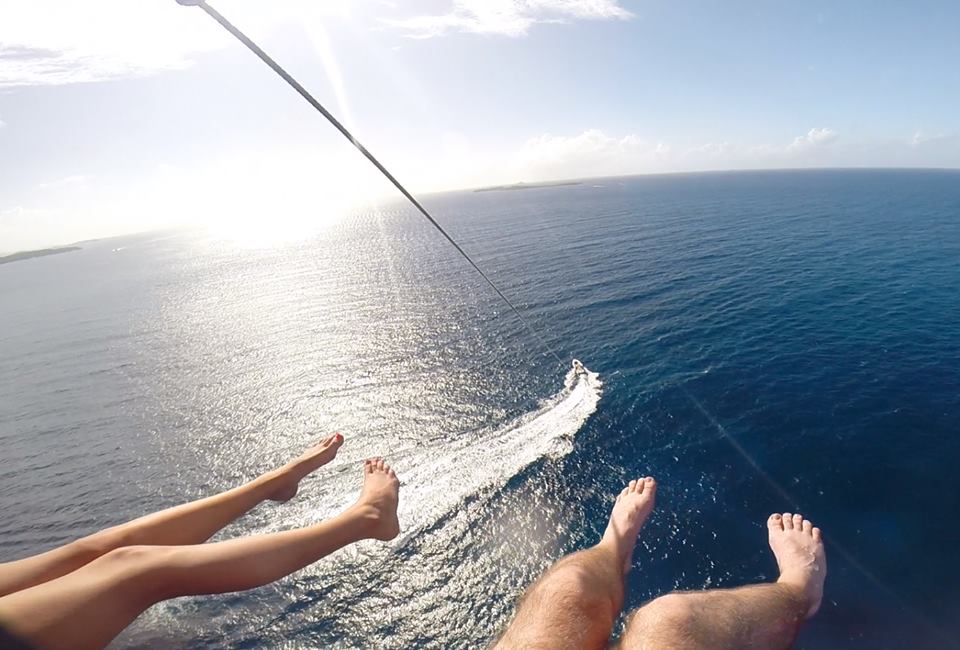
575,604
759,616
190,523
90,606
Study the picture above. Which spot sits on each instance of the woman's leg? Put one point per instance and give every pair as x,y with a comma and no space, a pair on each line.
89,607
190,523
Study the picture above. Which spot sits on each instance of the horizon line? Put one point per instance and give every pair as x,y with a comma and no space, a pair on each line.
556,182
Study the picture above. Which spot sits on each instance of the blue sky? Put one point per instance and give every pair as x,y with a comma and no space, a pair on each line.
118,116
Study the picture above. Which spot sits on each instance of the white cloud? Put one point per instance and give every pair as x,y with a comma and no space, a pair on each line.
815,137
52,42
55,42
591,153
921,139
507,17
73,179
723,148
594,153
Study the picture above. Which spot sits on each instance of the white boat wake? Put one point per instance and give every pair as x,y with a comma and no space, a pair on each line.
438,475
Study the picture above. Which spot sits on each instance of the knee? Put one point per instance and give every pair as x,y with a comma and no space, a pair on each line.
574,587
129,559
134,575
673,610
565,608
140,566
98,544
91,547
667,620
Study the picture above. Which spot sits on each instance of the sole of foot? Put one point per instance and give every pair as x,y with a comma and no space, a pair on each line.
379,498
634,504
798,546
287,478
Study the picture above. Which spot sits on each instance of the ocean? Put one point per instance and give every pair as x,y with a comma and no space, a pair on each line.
764,341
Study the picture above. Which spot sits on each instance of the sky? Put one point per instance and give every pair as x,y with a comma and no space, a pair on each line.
120,116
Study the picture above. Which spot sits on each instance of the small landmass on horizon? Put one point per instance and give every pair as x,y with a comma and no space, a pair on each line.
43,252
526,186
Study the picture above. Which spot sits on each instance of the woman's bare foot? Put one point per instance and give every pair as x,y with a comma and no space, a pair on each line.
798,548
634,504
379,498
287,478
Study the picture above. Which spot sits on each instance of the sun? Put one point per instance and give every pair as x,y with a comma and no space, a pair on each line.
268,200
270,223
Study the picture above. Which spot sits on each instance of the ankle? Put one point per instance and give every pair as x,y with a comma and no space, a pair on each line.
367,517
609,543
793,587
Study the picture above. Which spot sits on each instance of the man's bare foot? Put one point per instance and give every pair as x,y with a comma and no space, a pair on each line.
287,478
379,498
632,508
798,548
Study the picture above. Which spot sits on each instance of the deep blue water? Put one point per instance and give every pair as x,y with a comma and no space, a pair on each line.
811,318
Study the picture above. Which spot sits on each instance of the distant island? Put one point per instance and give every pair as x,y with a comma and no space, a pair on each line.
26,255
526,186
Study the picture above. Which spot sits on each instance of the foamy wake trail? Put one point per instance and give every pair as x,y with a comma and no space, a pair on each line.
436,477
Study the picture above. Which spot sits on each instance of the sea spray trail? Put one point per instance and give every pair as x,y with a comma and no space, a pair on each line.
438,475
458,469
